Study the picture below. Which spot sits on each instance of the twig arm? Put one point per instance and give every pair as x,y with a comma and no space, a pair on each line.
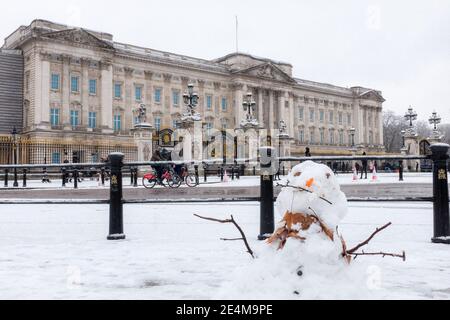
243,238
350,251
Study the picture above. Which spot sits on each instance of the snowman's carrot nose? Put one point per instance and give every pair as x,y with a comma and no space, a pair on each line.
309,182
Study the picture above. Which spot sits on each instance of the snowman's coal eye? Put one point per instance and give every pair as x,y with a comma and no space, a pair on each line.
297,174
328,175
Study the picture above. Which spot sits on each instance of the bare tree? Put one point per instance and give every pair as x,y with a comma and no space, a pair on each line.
393,124
445,130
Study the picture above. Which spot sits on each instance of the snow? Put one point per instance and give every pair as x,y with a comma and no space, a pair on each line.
244,181
61,252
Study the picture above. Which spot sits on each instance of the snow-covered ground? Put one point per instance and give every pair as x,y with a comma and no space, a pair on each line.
214,181
61,252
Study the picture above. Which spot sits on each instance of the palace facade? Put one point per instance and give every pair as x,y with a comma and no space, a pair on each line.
81,87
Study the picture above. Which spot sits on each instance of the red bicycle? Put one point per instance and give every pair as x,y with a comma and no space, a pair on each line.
168,179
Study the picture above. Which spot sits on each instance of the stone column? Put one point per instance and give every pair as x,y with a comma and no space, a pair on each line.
380,127
201,95
142,134
260,107
84,92
291,127
106,97
238,96
281,114
129,97
65,91
45,94
271,110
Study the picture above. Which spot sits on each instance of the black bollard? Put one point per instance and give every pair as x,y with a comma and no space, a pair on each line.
75,179
196,174
131,176
232,173
400,170
16,182
24,181
238,173
115,197
63,173
267,224
284,172
102,174
135,177
254,170
221,173
6,177
204,174
441,219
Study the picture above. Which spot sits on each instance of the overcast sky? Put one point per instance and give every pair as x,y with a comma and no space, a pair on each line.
399,47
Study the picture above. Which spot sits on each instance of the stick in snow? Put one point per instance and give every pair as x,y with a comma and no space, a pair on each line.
249,250
350,251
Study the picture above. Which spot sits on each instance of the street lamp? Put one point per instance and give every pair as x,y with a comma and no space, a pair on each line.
190,99
410,116
14,136
352,133
434,120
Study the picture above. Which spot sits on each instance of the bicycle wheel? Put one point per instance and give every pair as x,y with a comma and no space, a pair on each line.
175,181
148,183
191,180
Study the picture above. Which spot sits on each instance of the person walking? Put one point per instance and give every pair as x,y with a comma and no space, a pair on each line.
364,167
307,152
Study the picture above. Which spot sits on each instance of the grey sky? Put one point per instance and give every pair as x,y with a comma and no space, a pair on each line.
399,47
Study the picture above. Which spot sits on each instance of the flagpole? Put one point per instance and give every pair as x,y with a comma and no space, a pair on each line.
237,47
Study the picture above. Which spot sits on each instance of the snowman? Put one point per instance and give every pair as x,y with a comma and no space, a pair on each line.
309,208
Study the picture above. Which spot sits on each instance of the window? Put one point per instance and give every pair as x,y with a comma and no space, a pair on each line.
54,117
176,98
322,138
321,115
158,124
331,117
209,126
300,113
93,86
340,117
331,137
174,124
117,122
349,119
311,115
158,95
311,136
56,157
75,84
224,104
73,118
55,81
138,93
370,138
92,119
341,137
208,102
117,91
301,136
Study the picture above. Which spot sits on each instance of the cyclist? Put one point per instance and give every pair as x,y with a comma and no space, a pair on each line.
158,167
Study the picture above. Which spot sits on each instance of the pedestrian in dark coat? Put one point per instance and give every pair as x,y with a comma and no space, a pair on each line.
364,167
